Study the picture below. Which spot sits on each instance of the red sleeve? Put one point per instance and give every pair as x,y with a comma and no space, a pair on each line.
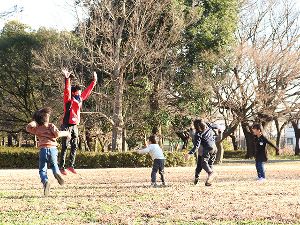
67,91
86,93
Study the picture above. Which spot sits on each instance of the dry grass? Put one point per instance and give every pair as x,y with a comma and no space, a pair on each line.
123,196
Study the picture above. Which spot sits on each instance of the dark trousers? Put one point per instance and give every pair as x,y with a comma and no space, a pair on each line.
199,166
208,158
260,169
158,165
73,141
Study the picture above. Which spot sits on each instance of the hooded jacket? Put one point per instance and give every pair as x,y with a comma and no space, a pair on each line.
72,104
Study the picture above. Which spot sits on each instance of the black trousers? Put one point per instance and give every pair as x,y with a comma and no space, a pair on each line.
199,166
73,141
208,158
158,165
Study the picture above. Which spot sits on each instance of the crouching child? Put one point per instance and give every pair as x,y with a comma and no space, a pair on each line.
157,155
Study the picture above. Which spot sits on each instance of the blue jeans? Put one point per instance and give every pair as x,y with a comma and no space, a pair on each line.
260,169
47,155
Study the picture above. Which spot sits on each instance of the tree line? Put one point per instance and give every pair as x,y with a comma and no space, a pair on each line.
160,63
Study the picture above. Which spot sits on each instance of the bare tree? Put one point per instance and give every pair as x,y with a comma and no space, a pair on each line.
263,82
126,40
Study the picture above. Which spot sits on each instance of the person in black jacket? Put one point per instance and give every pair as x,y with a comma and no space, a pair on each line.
204,141
261,155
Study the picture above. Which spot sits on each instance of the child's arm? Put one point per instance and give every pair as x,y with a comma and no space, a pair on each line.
31,127
144,151
57,133
197,143
270,143
64,134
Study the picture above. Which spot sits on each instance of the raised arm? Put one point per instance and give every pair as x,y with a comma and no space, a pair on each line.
270,143
144,151
86,93
31,127
67,90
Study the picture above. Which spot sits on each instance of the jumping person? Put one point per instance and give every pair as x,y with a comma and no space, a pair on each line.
261,155
47,134
204,142
157,155
73,99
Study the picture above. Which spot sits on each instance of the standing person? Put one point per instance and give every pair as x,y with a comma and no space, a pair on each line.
73,99
205,137
157,155
261,155
47,134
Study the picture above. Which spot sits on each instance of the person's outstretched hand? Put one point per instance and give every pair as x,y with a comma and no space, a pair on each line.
95,76
66,73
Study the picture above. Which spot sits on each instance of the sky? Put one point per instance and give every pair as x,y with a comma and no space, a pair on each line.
58,14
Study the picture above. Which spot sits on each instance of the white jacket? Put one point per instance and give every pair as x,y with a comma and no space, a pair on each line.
154,150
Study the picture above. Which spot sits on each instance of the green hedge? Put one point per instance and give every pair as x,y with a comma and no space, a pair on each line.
28,158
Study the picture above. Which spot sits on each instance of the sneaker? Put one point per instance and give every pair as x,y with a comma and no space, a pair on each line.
196,180
71,169
46,188
210,178
59,179
207,184
261,180
153,184
163,184
63,171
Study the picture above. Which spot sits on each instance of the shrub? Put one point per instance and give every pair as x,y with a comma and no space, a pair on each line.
28,158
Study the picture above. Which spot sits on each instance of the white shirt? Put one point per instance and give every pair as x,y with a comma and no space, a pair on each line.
154,150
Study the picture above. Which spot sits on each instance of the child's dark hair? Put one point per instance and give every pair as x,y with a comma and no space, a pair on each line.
199,124
40,116
257,127
153,139
75,88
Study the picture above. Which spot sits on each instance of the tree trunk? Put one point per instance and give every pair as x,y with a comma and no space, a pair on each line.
249,137
220,153
9,140
117,134
297,136
154,108
118,82
20,139
234,142
124,143
279,131
3,141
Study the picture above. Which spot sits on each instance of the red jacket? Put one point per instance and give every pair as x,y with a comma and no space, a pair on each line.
72,106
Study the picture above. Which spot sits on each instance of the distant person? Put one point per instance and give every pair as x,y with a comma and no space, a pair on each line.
47,134
204,142
157,155
261,155
73,99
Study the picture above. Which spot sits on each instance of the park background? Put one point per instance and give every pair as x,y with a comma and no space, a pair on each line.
160,64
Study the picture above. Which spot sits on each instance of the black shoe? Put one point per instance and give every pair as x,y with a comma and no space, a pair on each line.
207,184
196,180
153,184
46,188
163,184
59,179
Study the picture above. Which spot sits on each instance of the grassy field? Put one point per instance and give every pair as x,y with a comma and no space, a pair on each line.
123,196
